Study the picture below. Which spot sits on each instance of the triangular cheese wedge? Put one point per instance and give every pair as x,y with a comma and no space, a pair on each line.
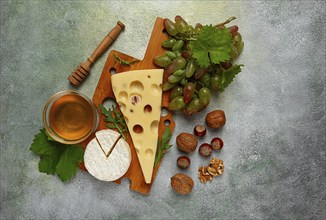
139,95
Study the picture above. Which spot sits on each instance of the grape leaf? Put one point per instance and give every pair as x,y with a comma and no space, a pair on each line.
68,162
42,145
47,164
56,158
229,74
213,45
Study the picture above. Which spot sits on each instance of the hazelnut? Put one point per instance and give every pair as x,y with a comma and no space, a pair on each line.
217,143
183,162
186,142
200,130
182,183
205,150
215,119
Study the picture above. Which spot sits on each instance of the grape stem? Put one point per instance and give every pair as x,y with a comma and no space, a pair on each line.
226,22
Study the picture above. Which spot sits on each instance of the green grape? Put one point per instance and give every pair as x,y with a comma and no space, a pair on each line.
176,104
188,92
170,54
204,96
215,82
162,60
178,53
181,24
234,52
178,45
177,64
190,30
187,46
237,38
190,68
206,79
176,91
169,43
167,86
194,106
175,79
183,81
179,73
240,47
170,27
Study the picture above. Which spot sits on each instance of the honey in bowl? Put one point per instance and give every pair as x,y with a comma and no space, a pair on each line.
70,117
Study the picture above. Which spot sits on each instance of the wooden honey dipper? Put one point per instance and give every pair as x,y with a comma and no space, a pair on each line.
83,70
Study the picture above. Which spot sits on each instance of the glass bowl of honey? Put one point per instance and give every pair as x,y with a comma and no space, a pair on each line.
70,117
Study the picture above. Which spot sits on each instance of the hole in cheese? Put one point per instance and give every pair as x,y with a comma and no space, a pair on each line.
156,89
149,152
123,96
136,86
147,109
122,106
138,129
154,127
138,144
135,99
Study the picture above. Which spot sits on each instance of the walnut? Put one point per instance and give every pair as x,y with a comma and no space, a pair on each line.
186,142
215,119
217,164
204,175
212,171
182,183
215,168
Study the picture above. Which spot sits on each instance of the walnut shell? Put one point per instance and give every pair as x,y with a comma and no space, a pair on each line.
182,183
186,142
215,119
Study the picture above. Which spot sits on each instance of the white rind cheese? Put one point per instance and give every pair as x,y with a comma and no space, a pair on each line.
95,157
139,95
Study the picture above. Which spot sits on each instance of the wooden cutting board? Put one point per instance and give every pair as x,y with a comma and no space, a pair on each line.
104,91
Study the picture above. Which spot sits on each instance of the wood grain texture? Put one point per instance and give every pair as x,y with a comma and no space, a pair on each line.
104,91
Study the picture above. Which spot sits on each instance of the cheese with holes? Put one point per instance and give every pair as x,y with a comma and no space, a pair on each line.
139,96
107,157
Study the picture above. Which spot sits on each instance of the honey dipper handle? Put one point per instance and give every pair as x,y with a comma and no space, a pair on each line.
106,42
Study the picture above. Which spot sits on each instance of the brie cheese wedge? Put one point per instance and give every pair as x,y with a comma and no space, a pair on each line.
107,156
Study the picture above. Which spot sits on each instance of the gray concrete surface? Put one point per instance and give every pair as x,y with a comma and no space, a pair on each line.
274,138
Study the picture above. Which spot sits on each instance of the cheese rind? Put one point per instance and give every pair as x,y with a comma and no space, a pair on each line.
139,96
95,157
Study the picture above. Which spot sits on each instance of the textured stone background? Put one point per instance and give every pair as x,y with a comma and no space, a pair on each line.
275,134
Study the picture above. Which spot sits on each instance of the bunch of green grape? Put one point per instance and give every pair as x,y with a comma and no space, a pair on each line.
189,84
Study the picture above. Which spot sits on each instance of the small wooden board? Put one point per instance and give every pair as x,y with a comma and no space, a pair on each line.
104,91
